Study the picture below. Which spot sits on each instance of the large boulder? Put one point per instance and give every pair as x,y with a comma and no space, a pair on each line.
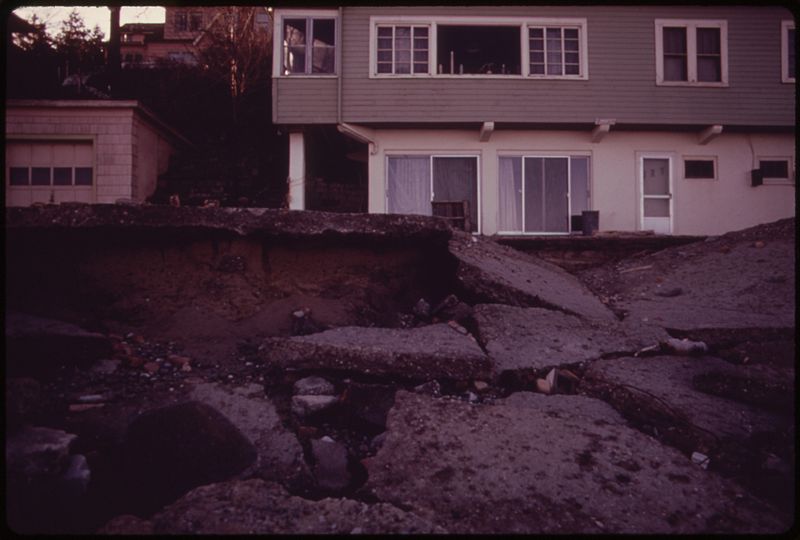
170,450
435,351
560,464
279,454
490,273
39,346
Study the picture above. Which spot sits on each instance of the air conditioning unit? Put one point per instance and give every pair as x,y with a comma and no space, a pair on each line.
756,177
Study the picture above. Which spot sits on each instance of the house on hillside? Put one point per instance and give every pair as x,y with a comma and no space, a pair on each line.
91,151
179,38
675,119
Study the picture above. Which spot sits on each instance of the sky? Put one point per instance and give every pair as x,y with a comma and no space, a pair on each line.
100,16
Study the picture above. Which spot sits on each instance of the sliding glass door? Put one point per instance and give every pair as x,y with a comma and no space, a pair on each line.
414,182
535,192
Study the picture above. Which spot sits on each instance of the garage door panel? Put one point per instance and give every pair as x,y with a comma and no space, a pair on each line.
18,154
49,171
84,156
41,155
63,154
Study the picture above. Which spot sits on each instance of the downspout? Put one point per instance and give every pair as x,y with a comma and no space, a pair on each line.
339,67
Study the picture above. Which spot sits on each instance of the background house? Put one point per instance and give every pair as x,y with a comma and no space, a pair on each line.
676,119
92,151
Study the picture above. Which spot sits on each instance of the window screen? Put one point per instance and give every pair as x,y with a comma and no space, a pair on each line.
699,168
774,168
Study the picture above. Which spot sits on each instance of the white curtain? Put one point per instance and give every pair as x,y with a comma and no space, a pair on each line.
510,179
409,185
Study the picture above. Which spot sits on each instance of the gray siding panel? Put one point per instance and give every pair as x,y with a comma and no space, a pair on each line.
621,85
306,100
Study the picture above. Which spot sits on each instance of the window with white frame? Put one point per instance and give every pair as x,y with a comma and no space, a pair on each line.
478,47
402,49
776,170
788,52
309,45
691,52
554,50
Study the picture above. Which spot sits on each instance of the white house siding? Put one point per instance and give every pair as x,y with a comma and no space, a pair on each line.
700,207
152,153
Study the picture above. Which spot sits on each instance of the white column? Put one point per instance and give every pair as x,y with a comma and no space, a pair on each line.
297,172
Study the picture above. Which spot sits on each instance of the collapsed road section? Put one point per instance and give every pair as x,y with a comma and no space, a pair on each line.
208,370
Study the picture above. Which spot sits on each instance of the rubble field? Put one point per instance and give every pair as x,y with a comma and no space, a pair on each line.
228,371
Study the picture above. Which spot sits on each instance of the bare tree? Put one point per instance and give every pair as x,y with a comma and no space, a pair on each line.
237,50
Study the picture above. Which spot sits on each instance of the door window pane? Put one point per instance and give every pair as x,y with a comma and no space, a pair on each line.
656,177
656,207
534,194
579,185
555,190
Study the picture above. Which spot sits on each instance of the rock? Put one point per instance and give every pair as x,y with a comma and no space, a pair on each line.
45,484
280,456
127,524
491,273
37,347
313,386
170,450
368,403
535,338
422,310
423,353
685,346
178,360
303,324
81,407
552,379
669,293
303,406
700,459
450,302
105,366
480,386
452,309
258,507
543,386
533,464
431,388
330,465
458,328
23,402
151,367
38,451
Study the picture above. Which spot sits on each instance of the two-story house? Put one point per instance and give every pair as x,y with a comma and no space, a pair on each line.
674,119
180,37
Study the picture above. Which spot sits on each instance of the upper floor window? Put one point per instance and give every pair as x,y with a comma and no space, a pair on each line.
196,21
181,21
478,46
788,52
691,52
554,50
309,45
402,49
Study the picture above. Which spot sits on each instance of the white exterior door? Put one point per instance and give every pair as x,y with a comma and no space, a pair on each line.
656,191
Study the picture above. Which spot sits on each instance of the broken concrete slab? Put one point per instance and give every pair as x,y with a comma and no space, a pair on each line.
665,396
313,386
303,406
435,351
491,273
280,455
38,346
330,465
258,507
670,381
534,338
264,222
560,464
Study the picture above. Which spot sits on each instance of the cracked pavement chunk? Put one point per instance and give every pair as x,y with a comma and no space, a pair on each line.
535,338
428,352
560,464
492,273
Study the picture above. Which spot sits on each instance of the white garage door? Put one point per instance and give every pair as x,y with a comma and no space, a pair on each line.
49,172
